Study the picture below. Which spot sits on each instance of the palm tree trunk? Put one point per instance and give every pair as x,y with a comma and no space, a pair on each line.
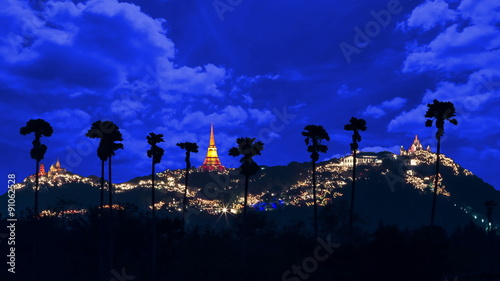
101,236
110,193
314,198
184,200
436,180
110,187
101,204
353,192
153,216
36,188
246,196
153,199
35,223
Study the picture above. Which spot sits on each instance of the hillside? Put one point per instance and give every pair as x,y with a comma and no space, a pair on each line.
391,188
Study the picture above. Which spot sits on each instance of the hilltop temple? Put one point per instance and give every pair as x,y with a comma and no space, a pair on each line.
212,162
54,170
415,146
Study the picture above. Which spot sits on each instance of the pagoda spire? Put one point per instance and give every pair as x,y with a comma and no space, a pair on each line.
212,137
212,162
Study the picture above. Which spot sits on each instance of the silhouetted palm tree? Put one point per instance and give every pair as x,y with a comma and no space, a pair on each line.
354,125
40,128
489,205
248,148
439,111
190,147
97,131
108,134
315,134
156,153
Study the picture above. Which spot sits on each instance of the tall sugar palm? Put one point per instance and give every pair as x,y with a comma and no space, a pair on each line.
248,148
97,130
39,128
314,135
440,112
189,147
110,148
108,134
156,153
354,125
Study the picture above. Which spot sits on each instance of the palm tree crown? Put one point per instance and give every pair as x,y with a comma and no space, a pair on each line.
108,134
248,148
190,147
315,134
155,152
40,128
355,125
440,111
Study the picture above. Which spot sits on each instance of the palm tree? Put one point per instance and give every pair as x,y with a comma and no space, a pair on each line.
248,148
489,205
190,147
354,125
40,128
439,111
315,134
156,153
97,131
108,134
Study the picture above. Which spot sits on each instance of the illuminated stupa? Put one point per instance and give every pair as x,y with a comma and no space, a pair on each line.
212,162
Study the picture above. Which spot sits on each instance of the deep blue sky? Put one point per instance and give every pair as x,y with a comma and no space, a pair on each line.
257,68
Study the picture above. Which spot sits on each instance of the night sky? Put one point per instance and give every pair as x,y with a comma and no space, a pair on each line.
254,68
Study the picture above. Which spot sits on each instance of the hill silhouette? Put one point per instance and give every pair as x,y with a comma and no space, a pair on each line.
396,190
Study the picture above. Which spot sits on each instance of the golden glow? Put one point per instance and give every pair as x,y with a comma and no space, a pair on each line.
212,162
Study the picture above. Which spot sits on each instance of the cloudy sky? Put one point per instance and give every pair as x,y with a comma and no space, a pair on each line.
253,68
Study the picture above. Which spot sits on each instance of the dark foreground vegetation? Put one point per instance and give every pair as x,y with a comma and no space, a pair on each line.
69,248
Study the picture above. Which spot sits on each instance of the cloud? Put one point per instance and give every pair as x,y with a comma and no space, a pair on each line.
408,120
201,80
462,46
261,116
377,111
394,104
344,91
374,111
66,119
394,149
430,14
464,58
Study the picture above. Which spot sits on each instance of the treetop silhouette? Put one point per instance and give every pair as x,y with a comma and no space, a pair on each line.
439,111
39,128
315,134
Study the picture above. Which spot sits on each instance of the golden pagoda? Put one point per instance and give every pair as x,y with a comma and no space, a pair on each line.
212,162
